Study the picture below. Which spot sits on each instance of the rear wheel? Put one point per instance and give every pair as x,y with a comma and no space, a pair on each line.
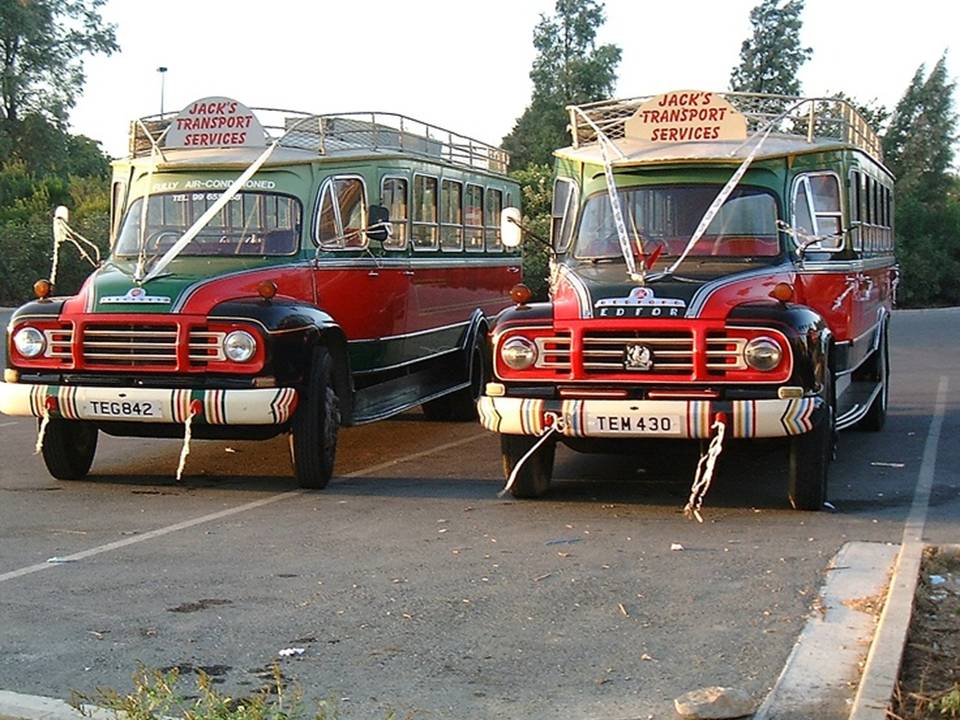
810,456
68,448
462,404
534,477
876,416
313,441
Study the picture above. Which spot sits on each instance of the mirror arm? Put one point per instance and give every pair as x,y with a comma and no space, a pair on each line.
532,234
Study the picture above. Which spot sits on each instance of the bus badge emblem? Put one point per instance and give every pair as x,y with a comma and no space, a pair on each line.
135,295
637,357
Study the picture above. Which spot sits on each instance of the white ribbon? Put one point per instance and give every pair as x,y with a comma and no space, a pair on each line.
704,474
556,426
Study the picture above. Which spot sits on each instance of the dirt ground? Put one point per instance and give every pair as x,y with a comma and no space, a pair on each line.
930,675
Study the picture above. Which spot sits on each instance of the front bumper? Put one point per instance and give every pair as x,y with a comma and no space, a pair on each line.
260,406
677,419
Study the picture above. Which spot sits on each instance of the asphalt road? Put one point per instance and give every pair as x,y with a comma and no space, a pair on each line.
410,585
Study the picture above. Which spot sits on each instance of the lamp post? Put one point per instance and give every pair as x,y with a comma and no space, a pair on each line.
163,74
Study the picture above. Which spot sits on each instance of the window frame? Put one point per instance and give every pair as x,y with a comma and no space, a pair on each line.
463,205
804,180
497,245
414,223
407,220
330,183
456,226
568,221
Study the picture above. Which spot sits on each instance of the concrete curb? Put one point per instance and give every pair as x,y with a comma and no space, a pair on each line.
17,706
882,669
824,664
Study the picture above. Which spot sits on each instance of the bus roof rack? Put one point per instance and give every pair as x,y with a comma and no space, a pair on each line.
812,119
344,134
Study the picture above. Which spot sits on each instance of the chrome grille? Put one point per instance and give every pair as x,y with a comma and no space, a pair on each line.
130,345
206,346
672,351
553,353
59,343
725,353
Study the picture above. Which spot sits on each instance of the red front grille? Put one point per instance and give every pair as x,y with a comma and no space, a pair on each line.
122,345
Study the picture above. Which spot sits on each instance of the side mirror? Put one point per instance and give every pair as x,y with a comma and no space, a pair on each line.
61,216
510,231
379,228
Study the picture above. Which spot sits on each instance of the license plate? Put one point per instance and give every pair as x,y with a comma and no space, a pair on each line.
632,423
123,408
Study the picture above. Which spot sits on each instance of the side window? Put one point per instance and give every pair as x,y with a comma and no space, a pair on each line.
342,214
116,208
393,196
451,216
327,221
856,218
473,218
425,230
491,219
816,209
562,215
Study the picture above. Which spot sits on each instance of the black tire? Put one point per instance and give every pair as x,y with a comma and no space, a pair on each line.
68,448
876,416
462,404
313,439
534,477
810,456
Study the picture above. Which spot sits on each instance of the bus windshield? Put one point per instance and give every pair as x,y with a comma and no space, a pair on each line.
251,223
666,216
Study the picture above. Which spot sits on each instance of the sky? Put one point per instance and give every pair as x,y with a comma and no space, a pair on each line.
465,66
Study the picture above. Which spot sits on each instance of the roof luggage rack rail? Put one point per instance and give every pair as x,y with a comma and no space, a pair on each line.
822,118
348,134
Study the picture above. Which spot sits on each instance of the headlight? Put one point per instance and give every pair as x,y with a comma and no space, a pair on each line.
29,342
518,353
762,353
239,345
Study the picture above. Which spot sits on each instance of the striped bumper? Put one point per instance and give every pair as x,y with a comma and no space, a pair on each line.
271,406
679,419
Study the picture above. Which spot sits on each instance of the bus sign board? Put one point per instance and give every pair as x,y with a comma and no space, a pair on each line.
685,115
215,122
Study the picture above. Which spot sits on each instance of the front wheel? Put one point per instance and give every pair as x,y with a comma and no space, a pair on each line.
810,456
68,448
313,441
533,479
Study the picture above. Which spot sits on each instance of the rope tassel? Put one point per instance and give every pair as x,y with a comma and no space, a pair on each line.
42,432
705,470
195,409
556,425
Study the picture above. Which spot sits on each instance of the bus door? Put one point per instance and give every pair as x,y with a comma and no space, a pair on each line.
364,284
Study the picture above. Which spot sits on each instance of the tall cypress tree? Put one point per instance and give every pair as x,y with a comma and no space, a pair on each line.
918,148
771,58
569,69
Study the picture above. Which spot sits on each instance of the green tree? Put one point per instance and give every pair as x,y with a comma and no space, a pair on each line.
42,43
918,148
569,69
771,58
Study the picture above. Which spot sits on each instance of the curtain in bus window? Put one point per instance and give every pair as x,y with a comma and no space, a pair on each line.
327,225
801,208
491,219
473,217
451,215
425,212
394,198
353,211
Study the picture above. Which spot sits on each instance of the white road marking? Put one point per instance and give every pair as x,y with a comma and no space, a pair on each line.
160,532
7,424
882,668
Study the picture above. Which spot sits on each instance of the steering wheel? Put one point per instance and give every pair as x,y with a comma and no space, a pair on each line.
155,239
